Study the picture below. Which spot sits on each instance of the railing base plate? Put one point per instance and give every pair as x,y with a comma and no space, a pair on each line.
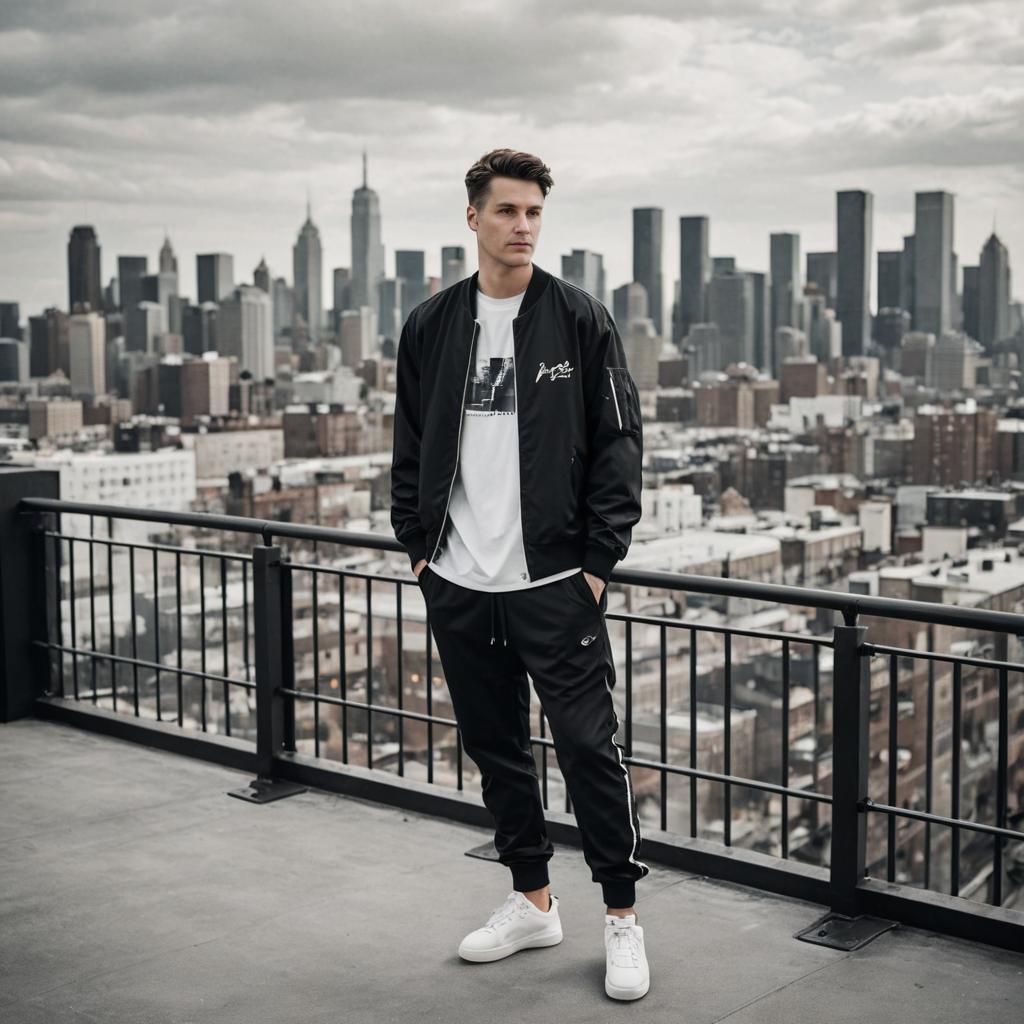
263,791
485,851
847,933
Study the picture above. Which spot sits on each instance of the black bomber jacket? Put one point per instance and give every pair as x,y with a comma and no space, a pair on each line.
580,428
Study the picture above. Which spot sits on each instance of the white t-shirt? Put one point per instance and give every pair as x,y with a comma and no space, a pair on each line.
484,550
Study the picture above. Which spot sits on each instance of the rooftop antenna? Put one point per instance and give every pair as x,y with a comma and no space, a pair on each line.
364,167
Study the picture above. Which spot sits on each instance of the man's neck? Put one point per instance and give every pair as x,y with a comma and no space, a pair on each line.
500,282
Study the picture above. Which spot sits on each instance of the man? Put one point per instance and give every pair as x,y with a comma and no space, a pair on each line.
516,482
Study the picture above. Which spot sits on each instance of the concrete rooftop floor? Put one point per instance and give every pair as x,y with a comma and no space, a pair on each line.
133,889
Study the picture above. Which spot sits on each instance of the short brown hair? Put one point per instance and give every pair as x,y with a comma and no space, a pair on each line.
506,163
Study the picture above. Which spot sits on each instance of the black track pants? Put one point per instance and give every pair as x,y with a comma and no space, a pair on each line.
557,633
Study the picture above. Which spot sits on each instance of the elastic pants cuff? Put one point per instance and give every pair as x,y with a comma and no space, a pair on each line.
619,894
527,877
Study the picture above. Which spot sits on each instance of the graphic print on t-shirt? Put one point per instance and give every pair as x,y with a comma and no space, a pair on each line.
492,389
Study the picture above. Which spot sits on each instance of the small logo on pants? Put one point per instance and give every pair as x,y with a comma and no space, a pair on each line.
587,641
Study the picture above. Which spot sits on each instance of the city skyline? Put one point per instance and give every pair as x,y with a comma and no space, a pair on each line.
891,100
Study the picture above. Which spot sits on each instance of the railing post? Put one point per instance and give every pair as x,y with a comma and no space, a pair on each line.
269,624
24,616
851,684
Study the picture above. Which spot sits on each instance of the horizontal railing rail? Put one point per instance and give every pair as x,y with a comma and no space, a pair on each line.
275,631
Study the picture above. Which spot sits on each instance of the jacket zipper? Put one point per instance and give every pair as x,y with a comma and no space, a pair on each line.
611,381
458,443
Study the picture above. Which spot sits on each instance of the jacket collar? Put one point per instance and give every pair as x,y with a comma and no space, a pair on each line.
538,282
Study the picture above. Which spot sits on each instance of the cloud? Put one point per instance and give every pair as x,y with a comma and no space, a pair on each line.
217,116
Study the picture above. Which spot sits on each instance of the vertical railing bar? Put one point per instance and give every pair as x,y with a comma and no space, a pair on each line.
954,789
245,619
400,684
890,844
343,666
1002,771
784,777
851,685
74,615
110,610
135,631
224,639
663,720
816,734
156,632
929,773
92,609
58,566
315,606
369,672
181,640
202,639
727,813
693,730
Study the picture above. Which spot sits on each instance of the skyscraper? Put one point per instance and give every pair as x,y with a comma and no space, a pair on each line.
784,252
245,330
647,258
367,247
215,276
763,353
84,288
10,320
731,308
890,273
907,276
972,297
993,292
163,289
411,271
933,252
585,269
130,272
341,292
261,276
854,220
821,271
694,273
86,343
307,272
453,264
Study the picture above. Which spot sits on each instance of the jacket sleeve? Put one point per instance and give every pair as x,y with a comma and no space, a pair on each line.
405,458
612,487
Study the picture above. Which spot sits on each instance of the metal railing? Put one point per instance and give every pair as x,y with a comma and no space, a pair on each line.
253,635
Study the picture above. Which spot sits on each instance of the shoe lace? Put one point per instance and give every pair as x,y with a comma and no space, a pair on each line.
624,946
501,914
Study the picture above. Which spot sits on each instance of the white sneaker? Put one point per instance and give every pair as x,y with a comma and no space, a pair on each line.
516,924
627,975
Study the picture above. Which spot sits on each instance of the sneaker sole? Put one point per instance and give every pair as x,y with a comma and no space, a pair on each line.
627,993
486,956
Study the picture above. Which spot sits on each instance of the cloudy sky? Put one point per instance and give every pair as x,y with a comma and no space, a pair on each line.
213,119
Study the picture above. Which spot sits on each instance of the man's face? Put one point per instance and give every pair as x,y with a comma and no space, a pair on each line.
508,225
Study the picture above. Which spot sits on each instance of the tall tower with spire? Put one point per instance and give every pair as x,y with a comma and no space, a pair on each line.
168,261
367,247
307,268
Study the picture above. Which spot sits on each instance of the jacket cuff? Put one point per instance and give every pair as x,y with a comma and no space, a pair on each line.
416,546
599,561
